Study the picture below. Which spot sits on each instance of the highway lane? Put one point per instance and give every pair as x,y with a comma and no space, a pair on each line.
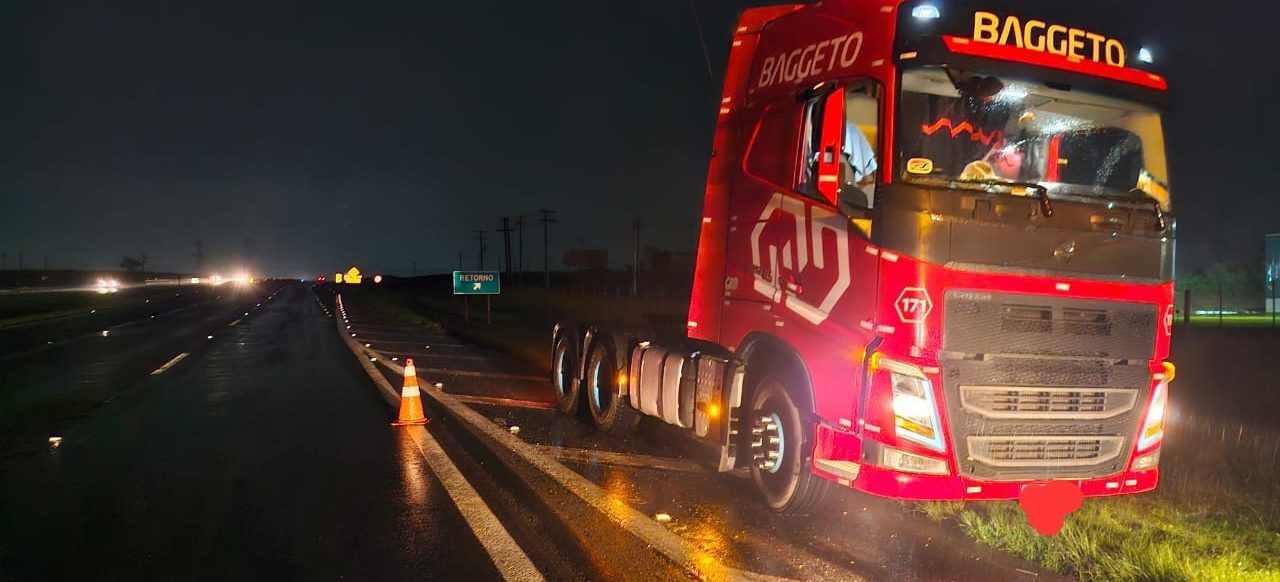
51,319
264,455
81,363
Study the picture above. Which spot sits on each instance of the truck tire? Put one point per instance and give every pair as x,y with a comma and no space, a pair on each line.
564,371
609,412
780,445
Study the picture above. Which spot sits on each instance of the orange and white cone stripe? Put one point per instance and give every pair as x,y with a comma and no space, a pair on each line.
410,398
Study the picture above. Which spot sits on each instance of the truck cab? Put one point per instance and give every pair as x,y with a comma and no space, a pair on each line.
935,261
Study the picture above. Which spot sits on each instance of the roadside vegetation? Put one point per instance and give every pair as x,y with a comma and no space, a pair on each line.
522,318
1233,320
1215,515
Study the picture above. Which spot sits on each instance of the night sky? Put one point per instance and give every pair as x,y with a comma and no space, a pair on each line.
383,133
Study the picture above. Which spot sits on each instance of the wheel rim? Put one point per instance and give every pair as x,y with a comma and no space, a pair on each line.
562,371
601,394
768,441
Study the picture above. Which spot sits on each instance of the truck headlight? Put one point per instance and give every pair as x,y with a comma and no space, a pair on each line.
915,413
1153,424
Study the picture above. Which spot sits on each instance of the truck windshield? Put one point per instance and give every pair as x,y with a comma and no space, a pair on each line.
961,126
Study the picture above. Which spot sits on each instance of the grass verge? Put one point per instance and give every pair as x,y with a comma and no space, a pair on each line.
1215,516
522,319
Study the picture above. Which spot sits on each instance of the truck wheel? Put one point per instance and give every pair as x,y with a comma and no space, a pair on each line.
609,412
564,366
779,448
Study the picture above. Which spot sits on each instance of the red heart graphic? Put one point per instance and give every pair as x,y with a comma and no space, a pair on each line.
1048,505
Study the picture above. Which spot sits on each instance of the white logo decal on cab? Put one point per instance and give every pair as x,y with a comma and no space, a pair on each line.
768,258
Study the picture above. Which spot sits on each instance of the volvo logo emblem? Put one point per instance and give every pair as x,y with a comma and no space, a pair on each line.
1065,251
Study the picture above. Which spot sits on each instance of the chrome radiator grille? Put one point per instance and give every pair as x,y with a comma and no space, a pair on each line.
1004,451
1046,402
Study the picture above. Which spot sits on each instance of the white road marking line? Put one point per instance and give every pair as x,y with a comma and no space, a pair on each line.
683,552
510,402
507,556
233,324
169,364
511,561
614,458
677,549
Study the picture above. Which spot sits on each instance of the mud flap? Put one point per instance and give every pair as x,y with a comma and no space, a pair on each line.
731,404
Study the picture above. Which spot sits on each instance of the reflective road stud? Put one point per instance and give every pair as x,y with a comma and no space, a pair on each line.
410,398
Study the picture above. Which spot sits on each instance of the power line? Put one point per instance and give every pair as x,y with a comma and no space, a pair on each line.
479,236
702,41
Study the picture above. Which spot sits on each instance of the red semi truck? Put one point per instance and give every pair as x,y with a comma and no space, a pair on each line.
935,262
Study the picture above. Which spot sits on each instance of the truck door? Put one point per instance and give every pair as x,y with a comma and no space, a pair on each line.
828,280
755,246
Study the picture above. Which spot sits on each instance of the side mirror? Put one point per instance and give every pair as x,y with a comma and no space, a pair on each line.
831,146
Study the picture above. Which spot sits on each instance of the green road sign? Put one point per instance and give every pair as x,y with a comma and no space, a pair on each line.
476,283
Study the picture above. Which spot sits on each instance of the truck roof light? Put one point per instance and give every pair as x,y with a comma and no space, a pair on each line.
1144,55
926,12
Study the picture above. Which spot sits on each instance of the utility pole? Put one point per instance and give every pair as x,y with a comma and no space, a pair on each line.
547,219
415,268
1186,306
250,253
520,234
635,258
1219,300
199,257
19,261
480,237
506,243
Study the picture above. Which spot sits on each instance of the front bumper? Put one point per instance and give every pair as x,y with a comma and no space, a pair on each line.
837,457
885,483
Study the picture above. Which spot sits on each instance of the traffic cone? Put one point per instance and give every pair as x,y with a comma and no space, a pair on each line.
410,398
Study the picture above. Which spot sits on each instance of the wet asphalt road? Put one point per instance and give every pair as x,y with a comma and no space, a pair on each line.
35,321
850,536
73,364
266,455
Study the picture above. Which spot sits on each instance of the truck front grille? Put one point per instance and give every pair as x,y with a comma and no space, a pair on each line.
1046,402
1043,387
1038,451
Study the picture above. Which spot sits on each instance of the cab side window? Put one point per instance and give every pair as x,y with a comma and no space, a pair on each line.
860,164
773,148
840,131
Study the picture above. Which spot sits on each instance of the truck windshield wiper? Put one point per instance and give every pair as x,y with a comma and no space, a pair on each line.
1162,221
1046,205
